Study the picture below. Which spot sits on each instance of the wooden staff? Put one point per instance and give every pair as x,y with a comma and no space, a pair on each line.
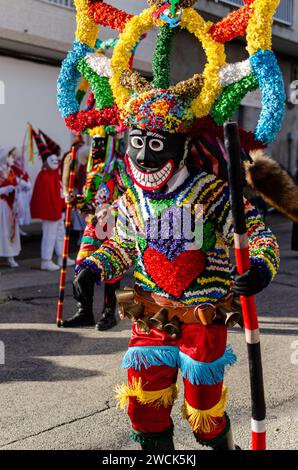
250,317
63,271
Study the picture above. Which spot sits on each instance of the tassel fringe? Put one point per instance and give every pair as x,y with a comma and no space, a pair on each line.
148,356
158,398
218,439
204,420
206,373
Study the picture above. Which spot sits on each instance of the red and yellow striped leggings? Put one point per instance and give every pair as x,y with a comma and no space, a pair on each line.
153,361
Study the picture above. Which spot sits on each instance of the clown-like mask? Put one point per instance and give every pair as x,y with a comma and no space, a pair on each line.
103,195
52,162
154,157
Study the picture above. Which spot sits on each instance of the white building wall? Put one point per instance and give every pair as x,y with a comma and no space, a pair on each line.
37,23
30,95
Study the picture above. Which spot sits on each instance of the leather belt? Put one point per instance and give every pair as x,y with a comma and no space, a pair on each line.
152,310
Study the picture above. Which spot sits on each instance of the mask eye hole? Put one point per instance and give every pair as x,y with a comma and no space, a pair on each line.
137,142
156,145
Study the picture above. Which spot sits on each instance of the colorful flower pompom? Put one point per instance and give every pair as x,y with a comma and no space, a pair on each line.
158,110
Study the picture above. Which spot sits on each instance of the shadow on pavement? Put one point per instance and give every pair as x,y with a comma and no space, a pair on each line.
42,370
27,353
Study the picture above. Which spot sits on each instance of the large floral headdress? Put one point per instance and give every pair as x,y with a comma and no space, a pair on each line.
217,92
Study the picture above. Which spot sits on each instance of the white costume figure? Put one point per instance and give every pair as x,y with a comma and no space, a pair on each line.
24,190
47,204
10,245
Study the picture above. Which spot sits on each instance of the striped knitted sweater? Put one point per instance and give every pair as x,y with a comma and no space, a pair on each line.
179,242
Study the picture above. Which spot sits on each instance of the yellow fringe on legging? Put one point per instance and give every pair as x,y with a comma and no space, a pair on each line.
204,420
164,397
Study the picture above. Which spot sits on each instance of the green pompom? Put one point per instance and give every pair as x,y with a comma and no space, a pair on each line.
230,99
209,237
161,59
142,242
99,85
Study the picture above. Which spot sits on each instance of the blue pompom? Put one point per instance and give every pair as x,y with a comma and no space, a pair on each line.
68,80
266,68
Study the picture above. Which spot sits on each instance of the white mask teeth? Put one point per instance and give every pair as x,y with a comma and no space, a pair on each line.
151,180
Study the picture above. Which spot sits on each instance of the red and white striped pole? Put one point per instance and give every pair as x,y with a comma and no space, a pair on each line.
250,317
63,271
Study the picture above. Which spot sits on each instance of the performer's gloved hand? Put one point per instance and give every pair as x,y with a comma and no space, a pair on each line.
251,282
83,285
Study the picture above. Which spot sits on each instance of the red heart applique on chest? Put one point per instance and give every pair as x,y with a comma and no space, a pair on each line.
174,276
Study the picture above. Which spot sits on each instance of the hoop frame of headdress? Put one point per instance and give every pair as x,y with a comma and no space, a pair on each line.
222,86
101,113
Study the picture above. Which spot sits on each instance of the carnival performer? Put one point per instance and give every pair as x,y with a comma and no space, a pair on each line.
24,191
174,224
180,277
10,244
47,204
82,148
106,181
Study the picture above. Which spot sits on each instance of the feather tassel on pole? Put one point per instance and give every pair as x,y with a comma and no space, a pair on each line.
30,144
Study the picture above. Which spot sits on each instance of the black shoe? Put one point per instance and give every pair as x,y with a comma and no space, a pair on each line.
166,444
107,321
155,440
82,318
227,443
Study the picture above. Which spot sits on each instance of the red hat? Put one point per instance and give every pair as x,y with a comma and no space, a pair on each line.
54,148
43,150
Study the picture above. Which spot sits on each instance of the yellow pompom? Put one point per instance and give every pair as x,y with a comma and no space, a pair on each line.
97,131
259,31
216,58
134,28
87,29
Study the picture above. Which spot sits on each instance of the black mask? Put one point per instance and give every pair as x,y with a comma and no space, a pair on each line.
99,148
154,157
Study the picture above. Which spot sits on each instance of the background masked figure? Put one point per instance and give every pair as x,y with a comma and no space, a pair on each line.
10,245
47,204
82,150
106,181
24,191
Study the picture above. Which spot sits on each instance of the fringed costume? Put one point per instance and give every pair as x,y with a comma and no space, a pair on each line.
174,223
174,270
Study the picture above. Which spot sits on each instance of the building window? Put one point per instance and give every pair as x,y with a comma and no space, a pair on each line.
284,13
61,3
